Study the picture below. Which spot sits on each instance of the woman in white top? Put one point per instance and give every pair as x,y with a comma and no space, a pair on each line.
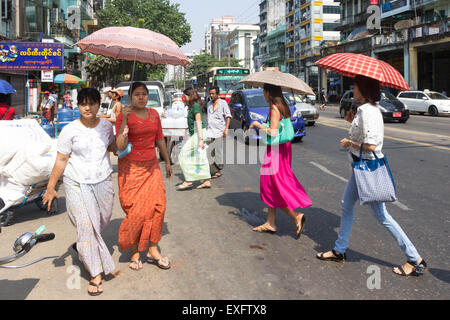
368,128
83,158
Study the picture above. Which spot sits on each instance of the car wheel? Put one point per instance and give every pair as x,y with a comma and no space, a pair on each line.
342,113
433,111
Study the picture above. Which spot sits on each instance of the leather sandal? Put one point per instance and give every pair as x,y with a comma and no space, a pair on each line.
162,263
418,269
302,221
138,263
338,257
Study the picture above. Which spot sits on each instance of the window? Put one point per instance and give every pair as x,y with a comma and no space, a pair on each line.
420,95
330,26
331,9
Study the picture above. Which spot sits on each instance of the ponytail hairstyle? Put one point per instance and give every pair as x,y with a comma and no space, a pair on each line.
193,97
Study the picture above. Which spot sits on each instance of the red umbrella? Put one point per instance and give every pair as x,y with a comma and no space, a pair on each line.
352,64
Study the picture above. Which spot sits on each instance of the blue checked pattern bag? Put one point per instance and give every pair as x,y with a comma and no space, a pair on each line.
374,180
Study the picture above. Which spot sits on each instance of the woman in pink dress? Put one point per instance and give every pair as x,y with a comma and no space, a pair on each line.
280,189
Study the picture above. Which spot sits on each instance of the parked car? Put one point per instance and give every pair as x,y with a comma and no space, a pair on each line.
391,108
426,101
156,95
250,105
304,107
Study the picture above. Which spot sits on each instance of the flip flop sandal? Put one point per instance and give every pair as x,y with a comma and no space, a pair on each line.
159,262
97,286
302,221
183,187
338,257
203,186
263,229
216,176
138,263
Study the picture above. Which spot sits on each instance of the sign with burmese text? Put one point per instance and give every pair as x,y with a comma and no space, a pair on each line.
31,56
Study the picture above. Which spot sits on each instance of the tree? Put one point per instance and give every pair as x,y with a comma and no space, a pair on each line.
201,63
157,15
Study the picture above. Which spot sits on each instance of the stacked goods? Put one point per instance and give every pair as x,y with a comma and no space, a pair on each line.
27,156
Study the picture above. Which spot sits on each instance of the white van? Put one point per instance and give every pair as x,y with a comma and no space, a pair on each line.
156,95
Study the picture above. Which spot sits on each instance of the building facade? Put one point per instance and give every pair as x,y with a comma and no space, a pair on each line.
414,39
309,25
44,20
267,46
240,44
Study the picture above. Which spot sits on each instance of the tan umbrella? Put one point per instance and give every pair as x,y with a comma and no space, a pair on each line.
286,81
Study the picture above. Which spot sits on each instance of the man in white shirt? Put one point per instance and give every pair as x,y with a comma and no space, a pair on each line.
219,117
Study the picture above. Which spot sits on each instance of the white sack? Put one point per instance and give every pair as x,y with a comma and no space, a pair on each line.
16,135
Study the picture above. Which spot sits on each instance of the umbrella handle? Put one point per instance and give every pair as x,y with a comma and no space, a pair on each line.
134,65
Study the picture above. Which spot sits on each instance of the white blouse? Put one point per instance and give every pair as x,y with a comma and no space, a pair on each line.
368,127
89,161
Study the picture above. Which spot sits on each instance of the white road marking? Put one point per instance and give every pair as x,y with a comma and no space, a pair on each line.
396,203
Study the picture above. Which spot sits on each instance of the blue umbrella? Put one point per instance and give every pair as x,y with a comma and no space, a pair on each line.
6,87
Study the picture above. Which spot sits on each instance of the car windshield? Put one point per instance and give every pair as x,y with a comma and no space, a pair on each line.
230,85
153,98
289,97
385,95
257,101
437,96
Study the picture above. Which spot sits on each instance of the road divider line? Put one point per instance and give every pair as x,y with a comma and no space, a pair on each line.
328,171
396,203
393,138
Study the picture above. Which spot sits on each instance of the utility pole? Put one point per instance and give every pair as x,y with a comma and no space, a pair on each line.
229,56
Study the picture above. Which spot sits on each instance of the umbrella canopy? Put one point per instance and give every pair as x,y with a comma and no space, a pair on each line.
134,44
286,81
66,78
352,64
6,87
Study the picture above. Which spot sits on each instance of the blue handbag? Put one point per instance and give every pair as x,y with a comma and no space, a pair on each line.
374,180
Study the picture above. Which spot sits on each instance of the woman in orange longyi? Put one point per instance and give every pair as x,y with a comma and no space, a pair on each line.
141,186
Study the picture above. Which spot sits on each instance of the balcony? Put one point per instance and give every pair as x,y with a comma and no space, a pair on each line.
431,29
396,37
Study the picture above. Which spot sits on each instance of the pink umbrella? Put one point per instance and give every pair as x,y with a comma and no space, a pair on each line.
134,44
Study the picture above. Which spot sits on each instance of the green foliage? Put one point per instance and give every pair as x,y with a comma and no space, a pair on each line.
157,15
201,63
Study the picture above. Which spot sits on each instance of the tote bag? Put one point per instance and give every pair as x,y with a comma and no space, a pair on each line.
374,180
285,133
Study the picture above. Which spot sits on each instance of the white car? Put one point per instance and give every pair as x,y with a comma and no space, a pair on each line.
426,101
303,107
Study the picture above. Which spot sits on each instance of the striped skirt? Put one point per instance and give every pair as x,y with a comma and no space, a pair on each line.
143,199
90,208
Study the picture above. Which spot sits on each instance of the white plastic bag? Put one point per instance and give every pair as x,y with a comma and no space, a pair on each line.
11,192
16,135
30,165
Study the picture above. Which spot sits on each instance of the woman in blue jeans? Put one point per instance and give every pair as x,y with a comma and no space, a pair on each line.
368,128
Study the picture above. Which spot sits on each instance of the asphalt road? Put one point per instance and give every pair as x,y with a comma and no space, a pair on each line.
215,255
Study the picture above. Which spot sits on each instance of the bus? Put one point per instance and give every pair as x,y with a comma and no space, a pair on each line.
226,78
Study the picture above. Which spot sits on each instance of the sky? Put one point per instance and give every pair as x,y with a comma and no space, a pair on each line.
199,14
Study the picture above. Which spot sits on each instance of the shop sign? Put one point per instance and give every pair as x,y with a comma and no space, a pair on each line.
31,56
47,76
